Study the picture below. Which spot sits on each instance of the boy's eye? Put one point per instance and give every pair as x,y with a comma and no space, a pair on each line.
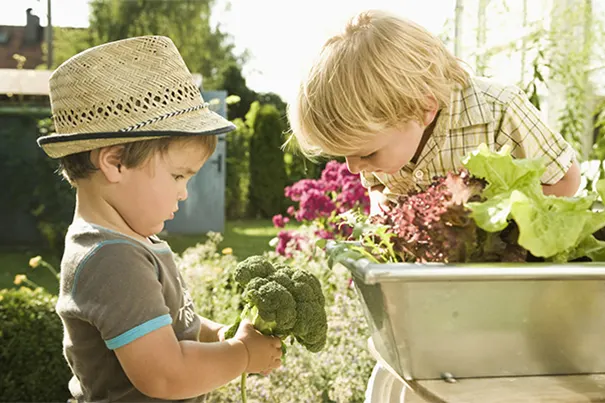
365,157
178,177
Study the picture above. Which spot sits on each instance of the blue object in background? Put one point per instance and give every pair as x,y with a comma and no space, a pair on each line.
204,209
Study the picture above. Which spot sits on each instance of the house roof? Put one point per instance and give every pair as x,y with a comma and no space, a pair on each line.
35,82
24,82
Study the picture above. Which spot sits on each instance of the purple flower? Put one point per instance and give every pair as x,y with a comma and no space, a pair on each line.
280,221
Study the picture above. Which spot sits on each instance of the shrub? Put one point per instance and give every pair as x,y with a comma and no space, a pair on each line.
40,203
238,171
267,166
31,356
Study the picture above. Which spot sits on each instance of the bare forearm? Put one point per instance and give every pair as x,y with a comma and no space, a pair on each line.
568,185
209,330
204,367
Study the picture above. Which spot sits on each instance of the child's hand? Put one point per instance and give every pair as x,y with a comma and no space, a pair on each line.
221,332
264,352
378,201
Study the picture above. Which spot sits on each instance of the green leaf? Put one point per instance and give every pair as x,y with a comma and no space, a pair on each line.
492,215
601,188
589,247
502,172
550,225
321,243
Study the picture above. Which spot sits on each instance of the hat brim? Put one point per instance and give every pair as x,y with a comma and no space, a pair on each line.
198,123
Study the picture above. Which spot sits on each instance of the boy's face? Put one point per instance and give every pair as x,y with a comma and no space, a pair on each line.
150,193
388,151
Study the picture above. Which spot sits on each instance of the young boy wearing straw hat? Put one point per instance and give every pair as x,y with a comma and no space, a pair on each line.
387,95
131,130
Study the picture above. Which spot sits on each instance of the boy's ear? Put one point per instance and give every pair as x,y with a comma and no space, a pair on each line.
430,114
109,162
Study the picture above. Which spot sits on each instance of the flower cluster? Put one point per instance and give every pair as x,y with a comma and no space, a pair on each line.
318,204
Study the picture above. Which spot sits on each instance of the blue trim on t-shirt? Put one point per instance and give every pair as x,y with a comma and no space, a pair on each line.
158,246
139,331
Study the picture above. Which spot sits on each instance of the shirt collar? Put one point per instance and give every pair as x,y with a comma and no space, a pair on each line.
468,107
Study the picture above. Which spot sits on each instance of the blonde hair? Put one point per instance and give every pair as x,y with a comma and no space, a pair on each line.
380,72
79,166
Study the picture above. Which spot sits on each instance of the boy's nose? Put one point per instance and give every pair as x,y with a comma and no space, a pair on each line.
183,194
354,164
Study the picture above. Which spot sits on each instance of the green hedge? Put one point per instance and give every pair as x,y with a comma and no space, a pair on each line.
267,166
35,203
31,358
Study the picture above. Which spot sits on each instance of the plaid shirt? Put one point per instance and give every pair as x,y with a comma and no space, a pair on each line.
483,112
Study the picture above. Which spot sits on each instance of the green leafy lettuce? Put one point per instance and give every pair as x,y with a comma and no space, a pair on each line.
556,228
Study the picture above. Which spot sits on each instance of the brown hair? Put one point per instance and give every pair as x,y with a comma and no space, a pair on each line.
79,166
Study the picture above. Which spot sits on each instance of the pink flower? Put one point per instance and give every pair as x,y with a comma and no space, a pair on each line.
337,191
288,240
324,234
280,221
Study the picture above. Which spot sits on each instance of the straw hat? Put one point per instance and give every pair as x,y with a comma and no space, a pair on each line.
120,92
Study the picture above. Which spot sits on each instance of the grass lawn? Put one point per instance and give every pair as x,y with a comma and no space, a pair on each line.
246,237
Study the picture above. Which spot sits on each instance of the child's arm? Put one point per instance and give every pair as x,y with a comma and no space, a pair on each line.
209,330
568,185
162,367
529,136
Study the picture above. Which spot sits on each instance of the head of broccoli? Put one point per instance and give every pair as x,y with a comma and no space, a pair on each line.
282,301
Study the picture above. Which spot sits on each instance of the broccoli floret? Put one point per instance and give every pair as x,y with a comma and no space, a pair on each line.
303,285
311,326
275,306
254,266
307,287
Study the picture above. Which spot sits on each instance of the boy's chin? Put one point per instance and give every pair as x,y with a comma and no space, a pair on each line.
392,171
155,230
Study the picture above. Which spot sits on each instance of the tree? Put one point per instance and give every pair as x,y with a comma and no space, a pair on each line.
267,167
230,79
68,42
187,22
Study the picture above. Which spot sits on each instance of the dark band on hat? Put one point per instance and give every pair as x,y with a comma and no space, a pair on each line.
63,138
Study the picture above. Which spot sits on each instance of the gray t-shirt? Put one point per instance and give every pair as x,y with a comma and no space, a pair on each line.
115,289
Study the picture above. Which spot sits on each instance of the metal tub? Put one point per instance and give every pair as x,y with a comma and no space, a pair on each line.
485,320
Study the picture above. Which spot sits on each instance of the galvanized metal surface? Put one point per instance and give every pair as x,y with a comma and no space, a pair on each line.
485,320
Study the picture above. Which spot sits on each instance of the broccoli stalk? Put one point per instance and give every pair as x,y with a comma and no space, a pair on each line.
251,313
282,302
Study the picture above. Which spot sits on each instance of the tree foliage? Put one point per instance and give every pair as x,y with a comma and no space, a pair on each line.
267,167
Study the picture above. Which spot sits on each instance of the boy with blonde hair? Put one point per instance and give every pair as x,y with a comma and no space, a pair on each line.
131,130
390,98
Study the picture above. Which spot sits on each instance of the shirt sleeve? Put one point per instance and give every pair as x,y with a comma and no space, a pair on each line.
529,137
118,291
368,179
